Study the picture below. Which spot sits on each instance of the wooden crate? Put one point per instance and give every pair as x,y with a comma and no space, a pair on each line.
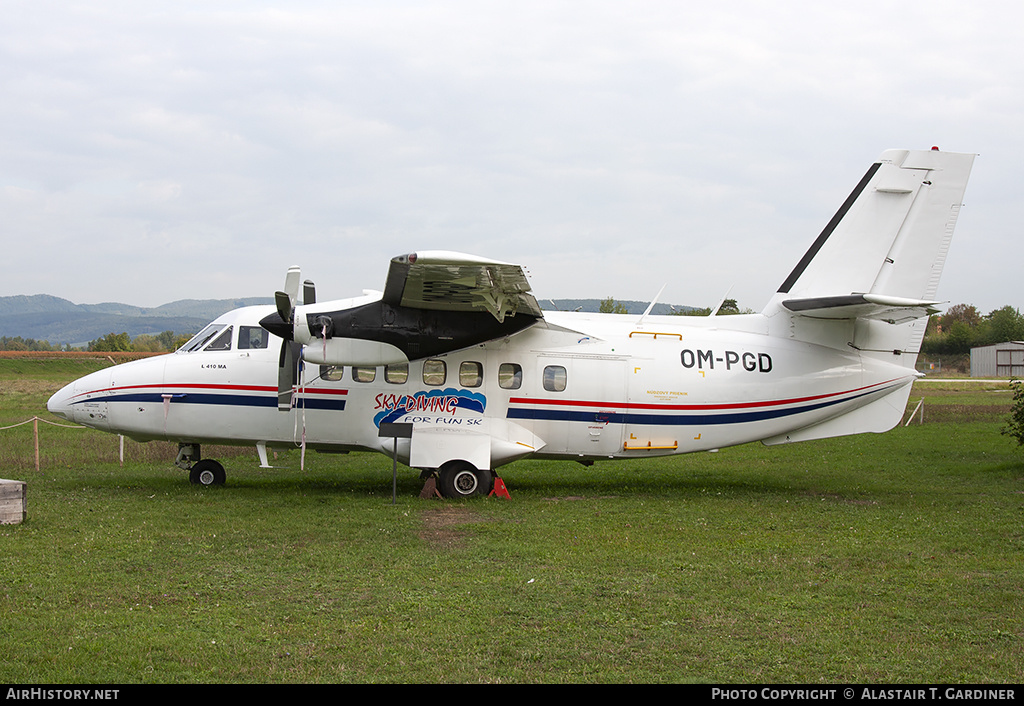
12,501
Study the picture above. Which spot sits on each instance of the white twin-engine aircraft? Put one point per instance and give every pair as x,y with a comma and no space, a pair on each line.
456,365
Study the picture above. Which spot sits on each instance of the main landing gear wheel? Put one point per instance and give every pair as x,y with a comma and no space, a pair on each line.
459,479
207,472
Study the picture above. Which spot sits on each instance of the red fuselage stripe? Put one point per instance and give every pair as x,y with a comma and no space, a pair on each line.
683,407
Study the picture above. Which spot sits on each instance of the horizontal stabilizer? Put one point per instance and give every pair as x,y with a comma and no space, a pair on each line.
880,307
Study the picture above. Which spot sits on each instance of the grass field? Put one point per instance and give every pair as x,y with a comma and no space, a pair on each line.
890,558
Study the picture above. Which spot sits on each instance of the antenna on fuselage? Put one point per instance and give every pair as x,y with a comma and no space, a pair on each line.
714,312
651,305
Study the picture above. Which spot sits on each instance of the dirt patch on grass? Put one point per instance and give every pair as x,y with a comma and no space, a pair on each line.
445,526
835,497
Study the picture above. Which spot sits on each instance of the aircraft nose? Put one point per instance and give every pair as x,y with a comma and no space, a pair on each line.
59,403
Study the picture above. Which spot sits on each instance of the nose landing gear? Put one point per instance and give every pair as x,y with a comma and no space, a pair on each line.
201,471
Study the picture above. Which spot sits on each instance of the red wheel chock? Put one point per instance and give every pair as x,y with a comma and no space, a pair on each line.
430,489
500,491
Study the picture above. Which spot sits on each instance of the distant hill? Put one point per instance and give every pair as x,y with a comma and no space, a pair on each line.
47,318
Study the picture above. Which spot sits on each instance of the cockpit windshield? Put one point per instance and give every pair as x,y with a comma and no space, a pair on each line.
219,334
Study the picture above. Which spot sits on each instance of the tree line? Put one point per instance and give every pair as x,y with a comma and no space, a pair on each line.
954,332
727,307
165,342
962,327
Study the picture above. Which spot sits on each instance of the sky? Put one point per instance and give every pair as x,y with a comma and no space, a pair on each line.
158,151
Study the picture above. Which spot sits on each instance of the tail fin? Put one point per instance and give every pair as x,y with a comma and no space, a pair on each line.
880,257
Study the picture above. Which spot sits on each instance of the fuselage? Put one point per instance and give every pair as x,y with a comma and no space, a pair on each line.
583,386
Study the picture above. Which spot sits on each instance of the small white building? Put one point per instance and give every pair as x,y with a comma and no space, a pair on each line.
998,360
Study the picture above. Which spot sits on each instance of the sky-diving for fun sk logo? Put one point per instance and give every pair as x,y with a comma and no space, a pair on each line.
432,406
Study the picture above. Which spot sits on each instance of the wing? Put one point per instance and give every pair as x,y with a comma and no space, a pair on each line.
448,281
433,303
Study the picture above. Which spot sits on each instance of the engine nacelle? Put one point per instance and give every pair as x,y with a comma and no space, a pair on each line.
352,351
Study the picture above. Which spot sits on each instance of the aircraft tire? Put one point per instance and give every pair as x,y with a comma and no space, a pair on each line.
459,479
207,472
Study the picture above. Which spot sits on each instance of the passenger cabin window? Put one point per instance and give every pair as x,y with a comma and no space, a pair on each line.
510,376
396,374
554,378
471,374
363,373
252,338
435,372
333,373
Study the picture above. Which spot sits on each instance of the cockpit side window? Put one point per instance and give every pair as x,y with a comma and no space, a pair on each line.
198,341
222,342
253,337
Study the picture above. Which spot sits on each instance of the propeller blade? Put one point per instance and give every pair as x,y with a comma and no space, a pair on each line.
286,374
308,292
291,283
285,301
285,309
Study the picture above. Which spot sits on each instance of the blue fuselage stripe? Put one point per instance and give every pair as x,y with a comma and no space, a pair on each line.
219,399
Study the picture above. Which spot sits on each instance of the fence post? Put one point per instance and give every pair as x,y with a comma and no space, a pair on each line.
920,406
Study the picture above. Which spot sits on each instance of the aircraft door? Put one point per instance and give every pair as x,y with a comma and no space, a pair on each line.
655,393
589,394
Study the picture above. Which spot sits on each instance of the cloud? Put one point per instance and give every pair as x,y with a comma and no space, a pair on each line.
182,150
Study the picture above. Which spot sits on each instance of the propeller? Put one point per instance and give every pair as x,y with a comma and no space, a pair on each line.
283,324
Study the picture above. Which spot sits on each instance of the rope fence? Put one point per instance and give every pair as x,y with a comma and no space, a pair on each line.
45,421
35,433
